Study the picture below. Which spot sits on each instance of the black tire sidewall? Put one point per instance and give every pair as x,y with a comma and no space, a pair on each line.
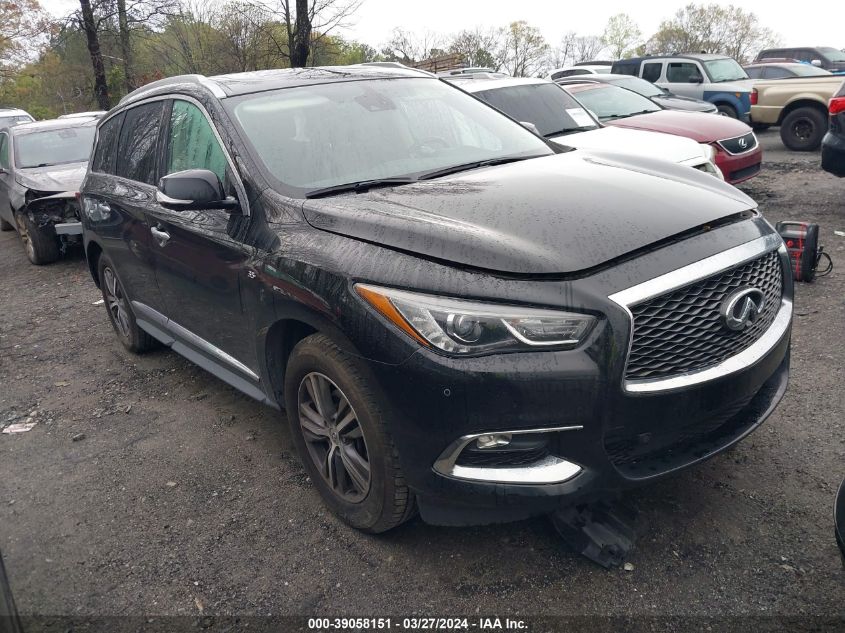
318,354
45,245
133,341
728,110
818,121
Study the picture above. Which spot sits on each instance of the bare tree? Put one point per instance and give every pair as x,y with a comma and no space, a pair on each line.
587,48
621,35
525,50
478,48
562,54
408,48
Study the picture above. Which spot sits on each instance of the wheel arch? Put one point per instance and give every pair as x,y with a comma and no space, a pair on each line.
802,103
93,251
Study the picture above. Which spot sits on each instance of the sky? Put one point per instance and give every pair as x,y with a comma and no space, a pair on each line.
809,23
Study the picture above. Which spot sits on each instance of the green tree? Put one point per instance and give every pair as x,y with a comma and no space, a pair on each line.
525,50
621,36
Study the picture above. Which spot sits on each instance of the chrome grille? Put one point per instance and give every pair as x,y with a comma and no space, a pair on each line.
740,144
681,331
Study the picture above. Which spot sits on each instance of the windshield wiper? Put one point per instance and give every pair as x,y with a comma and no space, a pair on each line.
454,169
359,186
625,116
570,130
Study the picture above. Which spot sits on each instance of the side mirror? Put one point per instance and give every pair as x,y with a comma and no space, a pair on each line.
530,126
696,79
194,189
817,63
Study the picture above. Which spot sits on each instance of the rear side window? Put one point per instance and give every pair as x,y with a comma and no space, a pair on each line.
774,72
106,150
681,72
4,151
136,156
755,73
651,71
191,143
625,68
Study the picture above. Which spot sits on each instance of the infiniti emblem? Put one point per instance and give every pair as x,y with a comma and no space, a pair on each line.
740,309
743,143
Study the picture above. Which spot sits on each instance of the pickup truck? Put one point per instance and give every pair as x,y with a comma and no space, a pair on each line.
798,105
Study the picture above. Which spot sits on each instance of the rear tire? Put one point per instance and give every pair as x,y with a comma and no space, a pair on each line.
119,309
802,129
727,110
353,464
39,242
5,226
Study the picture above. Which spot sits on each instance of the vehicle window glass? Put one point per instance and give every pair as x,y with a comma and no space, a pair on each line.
774,72
639,86
56,146
4,151
136,155
806,70
725,69
651,72
832,54
625,69
756,73
191,142
324,135
552,110
573,72
611,102
8,121
681,72
106,150
803,55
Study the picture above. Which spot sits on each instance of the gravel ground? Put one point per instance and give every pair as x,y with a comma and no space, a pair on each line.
148,487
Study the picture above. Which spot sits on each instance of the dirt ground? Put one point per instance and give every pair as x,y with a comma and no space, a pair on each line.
148,487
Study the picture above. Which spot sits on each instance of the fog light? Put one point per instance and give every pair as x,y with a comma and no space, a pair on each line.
493,440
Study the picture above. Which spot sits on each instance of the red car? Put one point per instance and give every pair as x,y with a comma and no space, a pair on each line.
737,153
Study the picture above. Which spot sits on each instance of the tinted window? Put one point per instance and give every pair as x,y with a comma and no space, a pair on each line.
106,151
136,156
755,72
191,142
54,147
681,72
775,72
552,110
317,136
651,72
805,55
625,68
4,151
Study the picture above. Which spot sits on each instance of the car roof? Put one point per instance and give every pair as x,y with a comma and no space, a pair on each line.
698,56
52,124
604,78
479,85
13,112
778,64
234,84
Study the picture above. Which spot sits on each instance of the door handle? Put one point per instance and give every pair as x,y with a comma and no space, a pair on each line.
162,237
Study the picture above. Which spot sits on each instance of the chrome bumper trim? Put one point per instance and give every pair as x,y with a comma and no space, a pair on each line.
549,470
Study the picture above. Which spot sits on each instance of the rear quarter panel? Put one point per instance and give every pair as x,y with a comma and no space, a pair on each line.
776,94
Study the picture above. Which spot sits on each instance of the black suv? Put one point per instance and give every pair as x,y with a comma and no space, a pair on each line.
455,314
833,143
826,57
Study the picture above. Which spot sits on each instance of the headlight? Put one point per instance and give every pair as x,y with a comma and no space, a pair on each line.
457,326
710,154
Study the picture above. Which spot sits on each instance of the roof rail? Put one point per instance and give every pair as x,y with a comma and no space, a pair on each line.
199,80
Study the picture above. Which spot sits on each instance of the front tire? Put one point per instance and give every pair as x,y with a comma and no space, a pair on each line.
119,308
802,129
337,424
727,110
40,243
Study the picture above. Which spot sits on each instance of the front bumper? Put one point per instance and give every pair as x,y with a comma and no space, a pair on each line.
68,228
602,434
739,167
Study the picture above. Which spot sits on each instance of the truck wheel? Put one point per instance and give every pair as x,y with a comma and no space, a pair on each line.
337,423
119,309
39,242
727,110
5,226
802,129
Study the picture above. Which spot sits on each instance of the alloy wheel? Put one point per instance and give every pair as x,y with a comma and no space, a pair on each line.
116,302
334,437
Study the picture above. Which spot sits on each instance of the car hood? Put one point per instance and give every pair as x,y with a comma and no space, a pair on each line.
641,143
704,128
53,178
678,102
557,214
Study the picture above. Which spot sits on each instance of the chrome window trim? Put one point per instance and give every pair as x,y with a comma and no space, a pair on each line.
237,182
549,470
750,149
720,262
170,326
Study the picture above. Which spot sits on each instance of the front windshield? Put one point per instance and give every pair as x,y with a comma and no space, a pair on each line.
725,69
640,86
312,137
546,105
611,102
832,54
54,147
806,70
